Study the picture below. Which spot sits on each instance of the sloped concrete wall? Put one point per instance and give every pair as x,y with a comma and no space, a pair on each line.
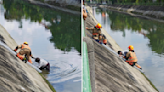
15,75
67,2
112,74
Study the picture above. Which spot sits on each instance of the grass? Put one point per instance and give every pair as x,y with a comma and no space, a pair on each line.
162,18
150,82
136,12
75,8
51,87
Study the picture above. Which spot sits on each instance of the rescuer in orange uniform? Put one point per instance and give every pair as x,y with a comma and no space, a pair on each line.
25,50
96,33
131,57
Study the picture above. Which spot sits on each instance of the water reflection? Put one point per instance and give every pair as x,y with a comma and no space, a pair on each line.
145,35
61,25
52,35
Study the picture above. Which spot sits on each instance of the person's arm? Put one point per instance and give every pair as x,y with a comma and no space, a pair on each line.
90,28
127,56
31,55
19,46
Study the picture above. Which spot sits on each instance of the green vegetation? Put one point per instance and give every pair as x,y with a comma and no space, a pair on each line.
149,82
132,2
136,12
74,8
51,87
65,28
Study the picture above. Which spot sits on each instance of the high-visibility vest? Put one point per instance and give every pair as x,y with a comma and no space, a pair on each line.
105,41
132,57
25,47
94,33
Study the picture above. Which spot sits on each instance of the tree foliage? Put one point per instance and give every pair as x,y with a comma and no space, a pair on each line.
152,30
65,35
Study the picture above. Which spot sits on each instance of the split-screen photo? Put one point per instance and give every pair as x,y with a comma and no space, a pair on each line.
81,46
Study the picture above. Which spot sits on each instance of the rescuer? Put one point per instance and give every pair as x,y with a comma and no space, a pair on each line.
131,57
25,50
96,31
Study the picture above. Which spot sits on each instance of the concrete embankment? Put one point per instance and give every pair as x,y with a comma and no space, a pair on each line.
149,12
57,6
112,74
15,75
91,22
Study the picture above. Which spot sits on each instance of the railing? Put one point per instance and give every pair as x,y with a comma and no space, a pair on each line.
86,70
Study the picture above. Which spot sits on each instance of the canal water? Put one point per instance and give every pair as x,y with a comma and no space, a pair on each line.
146,36
52,35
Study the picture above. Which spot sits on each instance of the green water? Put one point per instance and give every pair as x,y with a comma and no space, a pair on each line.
52,35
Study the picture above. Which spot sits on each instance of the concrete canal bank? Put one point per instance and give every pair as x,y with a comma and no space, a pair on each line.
112,74
61,5
15,75
149,12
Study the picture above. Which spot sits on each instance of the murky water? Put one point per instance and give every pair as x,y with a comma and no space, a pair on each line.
146,36
52,35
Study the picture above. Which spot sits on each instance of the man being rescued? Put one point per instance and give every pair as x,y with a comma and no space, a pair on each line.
25,50
43,64
131,57
102,39
96,34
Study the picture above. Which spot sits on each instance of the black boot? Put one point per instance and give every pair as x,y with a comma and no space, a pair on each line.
25,59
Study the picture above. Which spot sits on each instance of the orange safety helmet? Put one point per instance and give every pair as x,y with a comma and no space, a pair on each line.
98,25
131,47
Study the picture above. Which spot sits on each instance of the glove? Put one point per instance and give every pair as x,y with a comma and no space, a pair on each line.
33,57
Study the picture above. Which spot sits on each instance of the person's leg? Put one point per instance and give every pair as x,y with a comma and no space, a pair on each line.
27,52
97,40
20,54
132,63
137,65
41,68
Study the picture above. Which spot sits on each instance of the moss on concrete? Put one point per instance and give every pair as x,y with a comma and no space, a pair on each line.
51,87
149,82
136,13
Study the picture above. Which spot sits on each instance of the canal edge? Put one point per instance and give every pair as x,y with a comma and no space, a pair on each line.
114,44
